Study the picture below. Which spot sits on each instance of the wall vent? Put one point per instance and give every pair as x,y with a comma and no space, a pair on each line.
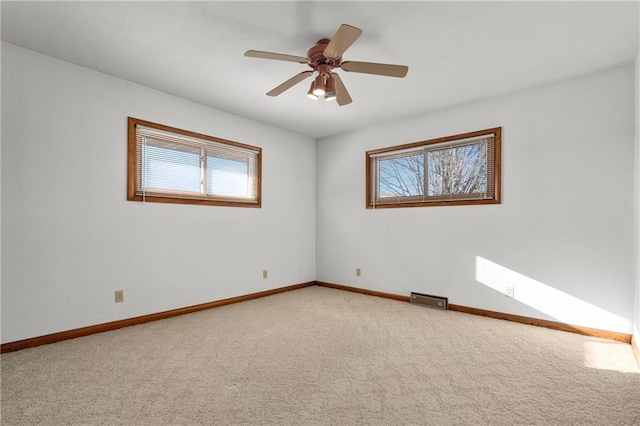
429,301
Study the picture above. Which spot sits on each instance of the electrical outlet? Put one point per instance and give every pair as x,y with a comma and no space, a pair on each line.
119,296
358,272
509,290
265,274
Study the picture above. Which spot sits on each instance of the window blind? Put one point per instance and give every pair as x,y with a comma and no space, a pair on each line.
182,166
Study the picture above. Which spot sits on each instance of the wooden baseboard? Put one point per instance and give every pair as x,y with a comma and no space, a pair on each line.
114,325
587,331
636,348
594,332
364,291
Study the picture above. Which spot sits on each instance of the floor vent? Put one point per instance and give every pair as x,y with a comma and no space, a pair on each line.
429,301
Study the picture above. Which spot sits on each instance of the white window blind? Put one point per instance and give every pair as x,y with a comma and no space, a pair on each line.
171,165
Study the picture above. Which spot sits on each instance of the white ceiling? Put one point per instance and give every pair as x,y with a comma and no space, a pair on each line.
457,52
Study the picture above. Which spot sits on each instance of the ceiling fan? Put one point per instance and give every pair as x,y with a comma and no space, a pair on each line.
323,58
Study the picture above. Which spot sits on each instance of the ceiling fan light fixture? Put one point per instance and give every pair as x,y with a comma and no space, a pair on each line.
330,94
319,86
310,93
324,57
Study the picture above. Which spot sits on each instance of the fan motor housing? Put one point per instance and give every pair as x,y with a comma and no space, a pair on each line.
316,58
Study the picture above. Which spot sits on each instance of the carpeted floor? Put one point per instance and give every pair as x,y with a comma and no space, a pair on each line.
324,356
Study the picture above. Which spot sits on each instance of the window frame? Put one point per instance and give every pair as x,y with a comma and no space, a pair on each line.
133,176
494,182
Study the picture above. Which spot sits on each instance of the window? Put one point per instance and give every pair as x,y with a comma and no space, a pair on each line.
170,165
454,170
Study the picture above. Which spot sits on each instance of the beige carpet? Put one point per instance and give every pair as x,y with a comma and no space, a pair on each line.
324,356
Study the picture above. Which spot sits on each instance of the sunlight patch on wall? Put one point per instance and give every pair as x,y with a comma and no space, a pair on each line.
551,301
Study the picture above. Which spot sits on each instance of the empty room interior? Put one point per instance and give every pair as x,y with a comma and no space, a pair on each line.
215,212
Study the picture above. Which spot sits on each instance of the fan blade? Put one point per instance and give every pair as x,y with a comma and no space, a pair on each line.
276,56
342,96
378,69
342,39
289,83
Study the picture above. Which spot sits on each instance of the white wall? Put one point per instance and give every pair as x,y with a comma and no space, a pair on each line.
70,238
564,228
636,329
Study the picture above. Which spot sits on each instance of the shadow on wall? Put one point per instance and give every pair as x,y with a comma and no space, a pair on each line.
548,300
